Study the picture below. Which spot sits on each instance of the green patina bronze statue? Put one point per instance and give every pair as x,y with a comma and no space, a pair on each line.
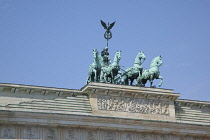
105,57
108,33
102,70
95,68
108,73
152,73
135,71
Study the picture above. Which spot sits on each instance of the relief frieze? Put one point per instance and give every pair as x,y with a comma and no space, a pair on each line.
49,133
133,105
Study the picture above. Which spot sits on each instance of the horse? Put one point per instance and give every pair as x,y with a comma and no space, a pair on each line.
109,72
95,68
151,73
133,72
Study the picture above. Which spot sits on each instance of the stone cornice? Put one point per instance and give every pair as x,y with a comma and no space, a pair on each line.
111,123
17,88
131,91
199,104
103,85
90,87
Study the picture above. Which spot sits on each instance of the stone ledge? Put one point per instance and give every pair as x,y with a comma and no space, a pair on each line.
111,123
17,89
127,87
190,103
129,91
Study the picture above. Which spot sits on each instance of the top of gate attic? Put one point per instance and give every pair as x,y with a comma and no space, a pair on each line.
102,70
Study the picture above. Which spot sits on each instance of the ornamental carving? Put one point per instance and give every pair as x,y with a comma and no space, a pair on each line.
128,136
131,105
144,137
51,134
71,135
29,133
110,135
7,133
87,134
164,137
91,135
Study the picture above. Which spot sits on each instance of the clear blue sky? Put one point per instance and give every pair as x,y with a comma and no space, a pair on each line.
49,43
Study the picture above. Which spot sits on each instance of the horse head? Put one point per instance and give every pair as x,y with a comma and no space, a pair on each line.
141,55
157,61
140,58
117,56
95,53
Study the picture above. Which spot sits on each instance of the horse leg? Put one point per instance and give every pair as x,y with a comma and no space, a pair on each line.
131,83
102,76
105,77
108,79
98,77
126,80
143,82
94,79
138,81
120,79
151,81
161,82
91,77
89,74
112,77
88,79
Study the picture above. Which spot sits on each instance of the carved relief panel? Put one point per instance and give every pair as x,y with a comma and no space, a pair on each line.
133,105
145,136
110,135
128,136
30,133
91,135
71,134
50,134
163,137
8,132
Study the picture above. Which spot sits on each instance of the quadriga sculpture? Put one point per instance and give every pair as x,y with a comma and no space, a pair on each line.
133,72
108,73
151,73
95,68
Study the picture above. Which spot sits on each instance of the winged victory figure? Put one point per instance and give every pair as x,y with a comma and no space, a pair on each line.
107,34
107,27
